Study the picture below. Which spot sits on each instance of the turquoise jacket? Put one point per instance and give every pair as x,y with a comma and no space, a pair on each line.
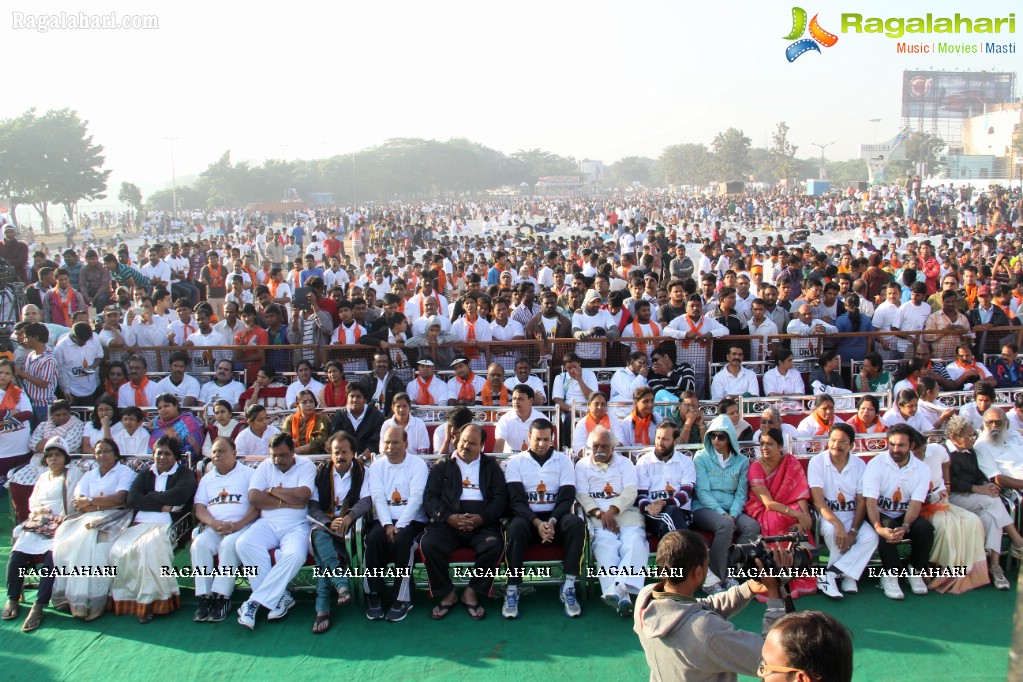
721,489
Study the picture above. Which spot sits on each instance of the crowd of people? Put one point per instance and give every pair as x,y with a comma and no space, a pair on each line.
487,309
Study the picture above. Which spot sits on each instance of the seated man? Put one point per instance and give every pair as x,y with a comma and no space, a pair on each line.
664,375
606,489
836,478
222,507
396,483
177,383
626,380
666,481
734,380
1000,451
361,419
966,364
138,390
770,418
465,499
524,375
1007,369
465,386
895,485
984,397
427,389
280,489
572,387
541,491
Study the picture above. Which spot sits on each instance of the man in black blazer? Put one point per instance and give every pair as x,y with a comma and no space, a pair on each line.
361,419
382,383
465,498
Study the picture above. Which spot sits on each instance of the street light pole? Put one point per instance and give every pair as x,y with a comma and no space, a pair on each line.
174,177
822,148
875,121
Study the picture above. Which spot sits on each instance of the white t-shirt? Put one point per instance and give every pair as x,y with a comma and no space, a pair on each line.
189,387
604,486
674,480
437,389
119,478
568,389
470,474
14,440
418,435
534,382
515,431
226,496
397,490
291,397
248,444
584,322
542,483
133,444
895,487
211,392
301,474
838,487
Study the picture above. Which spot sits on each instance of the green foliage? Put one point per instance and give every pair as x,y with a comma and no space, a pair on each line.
732,155
684,164
786,165
624,172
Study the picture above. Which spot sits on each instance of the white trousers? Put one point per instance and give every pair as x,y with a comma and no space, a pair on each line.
855,559
292,544
992,513
208,549
625,551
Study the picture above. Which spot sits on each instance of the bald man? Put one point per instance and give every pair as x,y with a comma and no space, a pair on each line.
32,313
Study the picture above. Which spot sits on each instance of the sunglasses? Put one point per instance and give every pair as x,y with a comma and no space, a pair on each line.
718,435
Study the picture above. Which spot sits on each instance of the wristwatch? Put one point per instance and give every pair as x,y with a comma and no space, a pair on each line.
599,514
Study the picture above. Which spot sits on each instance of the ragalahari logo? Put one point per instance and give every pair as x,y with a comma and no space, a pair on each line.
817,35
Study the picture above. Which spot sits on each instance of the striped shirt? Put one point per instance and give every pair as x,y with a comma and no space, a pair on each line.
126,272
41,366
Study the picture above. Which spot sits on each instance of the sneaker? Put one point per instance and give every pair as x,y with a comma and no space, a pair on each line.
828,585
202,614
510,609
890,585
398,611
374,611
572,608
849,585
611,600
710,581
247,614
998,578
219,609
282,608
916,583
625,606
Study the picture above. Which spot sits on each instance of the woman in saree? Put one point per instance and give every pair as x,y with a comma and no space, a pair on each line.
160,495
183,426
85,539
779,497
308,429
49,503
335,392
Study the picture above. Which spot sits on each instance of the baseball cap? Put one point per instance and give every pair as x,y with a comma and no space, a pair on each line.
457,361
590,296
983,290
426,361
60,444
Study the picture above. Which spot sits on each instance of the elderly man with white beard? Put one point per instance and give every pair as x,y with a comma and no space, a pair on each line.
1000,451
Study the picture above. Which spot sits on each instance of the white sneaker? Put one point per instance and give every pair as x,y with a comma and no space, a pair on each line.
247,614
828,585
998,578
710,581
849,585
283,606
917,584
890,585
510,609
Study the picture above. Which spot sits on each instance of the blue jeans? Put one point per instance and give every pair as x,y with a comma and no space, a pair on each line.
327,559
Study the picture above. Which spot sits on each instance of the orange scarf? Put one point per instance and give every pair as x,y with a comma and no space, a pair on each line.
466,390
272,286
605,421
141,399
216,276
487,397
692,328
295,428
65,305
823,427
966,368
640,428
12,396
471,352
423,397
859,427
356,330
971,294
637,331
436,296
110,389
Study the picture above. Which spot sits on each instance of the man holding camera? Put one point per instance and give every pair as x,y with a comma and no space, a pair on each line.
689,639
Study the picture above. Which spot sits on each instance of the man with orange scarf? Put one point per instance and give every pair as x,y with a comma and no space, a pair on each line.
62,302
639,427
471,329
465,385
426,389
139,390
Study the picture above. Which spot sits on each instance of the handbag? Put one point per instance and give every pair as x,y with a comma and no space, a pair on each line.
46,523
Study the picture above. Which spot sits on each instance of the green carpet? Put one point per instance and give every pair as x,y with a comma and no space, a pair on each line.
963,637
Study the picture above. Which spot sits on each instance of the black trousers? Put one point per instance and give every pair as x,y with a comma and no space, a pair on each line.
380,553
671,518
921,536
440,540
15,582
569,532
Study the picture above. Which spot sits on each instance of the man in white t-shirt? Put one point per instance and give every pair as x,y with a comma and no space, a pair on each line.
912,316
223,386
592,322
512,431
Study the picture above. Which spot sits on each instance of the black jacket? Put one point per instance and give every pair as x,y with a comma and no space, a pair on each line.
520,503
444,490
181,485
368,434
964,472
393,386
323,509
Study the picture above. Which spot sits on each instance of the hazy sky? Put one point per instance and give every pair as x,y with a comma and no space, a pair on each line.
592,79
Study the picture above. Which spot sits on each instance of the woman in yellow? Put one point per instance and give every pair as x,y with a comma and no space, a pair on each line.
308,429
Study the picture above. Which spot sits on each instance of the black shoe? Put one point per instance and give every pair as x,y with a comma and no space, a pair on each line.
219,609
374,611
202,614
398,611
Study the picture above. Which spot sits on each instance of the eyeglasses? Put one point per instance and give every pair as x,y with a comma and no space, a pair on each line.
763,670
104,451
718,435
993,422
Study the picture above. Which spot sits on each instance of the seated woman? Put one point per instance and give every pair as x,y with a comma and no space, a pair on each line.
905,412
61,424
181,425
721,491
104,422
265,391
730,408
866,419
133,438
160,495
85,539
418,436
784,379
779,497
117,376
638,429
872,377
596,414
929,407
958,534
445,436
818,424
335,392
224,425
341,503
49,503
909,376
308,429
827,378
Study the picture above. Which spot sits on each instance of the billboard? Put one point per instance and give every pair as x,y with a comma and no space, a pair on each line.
878,156
953,94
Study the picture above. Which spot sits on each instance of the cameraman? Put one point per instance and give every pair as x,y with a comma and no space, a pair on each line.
685,638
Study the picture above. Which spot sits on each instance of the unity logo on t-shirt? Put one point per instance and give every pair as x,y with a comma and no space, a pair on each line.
842,504
396,500
607,493
224,497
541,495
469,485
665,494
893,503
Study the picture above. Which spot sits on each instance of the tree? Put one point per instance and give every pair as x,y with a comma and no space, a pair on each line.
923,148
624,172
131,194
50,159
731,155
684,164
784,152
533,164
845,172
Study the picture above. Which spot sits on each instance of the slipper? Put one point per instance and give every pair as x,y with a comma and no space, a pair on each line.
343,596
145,618
441,610
34,619
10,612
318,627
63,608
475,611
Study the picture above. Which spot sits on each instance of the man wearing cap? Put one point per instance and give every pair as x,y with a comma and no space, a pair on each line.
15,252
590,323
426,389
464,387
112,333
78,356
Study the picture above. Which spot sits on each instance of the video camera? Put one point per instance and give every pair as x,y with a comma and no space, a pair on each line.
745,555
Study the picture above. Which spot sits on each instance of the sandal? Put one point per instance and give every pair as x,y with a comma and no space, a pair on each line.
145,618
441,610
63,608
322,623
34,618
10,611
475,611
344,596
